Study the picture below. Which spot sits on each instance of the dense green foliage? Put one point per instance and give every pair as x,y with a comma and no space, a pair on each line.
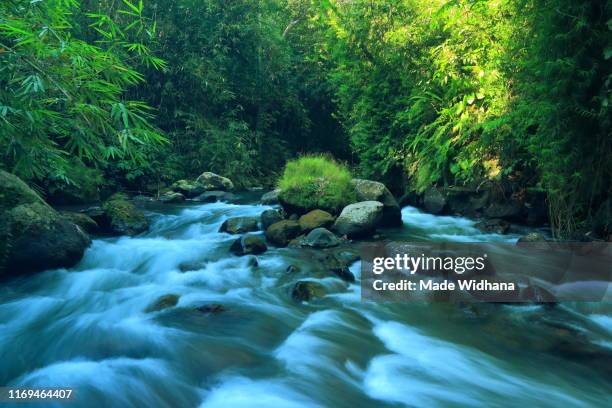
312,182
444,92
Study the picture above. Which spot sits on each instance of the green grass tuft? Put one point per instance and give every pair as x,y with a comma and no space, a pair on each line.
312,182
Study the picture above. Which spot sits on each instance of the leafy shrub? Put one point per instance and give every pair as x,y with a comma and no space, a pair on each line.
312,182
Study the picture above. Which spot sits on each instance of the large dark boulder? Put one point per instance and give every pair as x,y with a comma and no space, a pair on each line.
434,201
33,236
316,219
359,219
495,226
466,201
248,244
189,189
368,190
282,232
239,225
509,211
121,217
270,217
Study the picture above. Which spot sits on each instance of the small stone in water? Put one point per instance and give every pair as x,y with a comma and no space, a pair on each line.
212,308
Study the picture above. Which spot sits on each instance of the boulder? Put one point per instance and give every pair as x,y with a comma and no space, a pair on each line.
466,201
510,211
84,221
344,273
33,236
191,266
316,219
239,225
271,197
434,201
367,190
248,244
359,219
495,226
172,197
211,181
163,302
270,217
121,217
411,198
321,238
214,196
307,290
280,233
189,189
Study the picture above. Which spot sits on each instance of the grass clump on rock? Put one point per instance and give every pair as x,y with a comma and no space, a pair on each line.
315,182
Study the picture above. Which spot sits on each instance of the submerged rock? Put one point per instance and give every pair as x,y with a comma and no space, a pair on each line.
321,238
307,290
163,302
211,181
367,190
239,225
33,236
121,217
270,217
248,244
315,219
282,232
271,197
191,266
359,219
172,197
213,308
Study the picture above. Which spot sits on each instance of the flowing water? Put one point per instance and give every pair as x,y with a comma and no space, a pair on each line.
87,328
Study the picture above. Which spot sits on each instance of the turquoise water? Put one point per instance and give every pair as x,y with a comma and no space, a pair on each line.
87,328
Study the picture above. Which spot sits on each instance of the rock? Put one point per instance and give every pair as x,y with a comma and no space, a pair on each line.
532,237
163,302
321,238
271,197
270,217
191,266
172,197
344,273
213,308
292,269
187,188
367,190
307,290
211,181
316,219
239,225
466,201
33,236
214,196
494,225
248,244
280,233
294,217
84,221
510,211
253,262
359,219
434,201
121,217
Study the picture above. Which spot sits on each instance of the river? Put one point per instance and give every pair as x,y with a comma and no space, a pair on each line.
87,328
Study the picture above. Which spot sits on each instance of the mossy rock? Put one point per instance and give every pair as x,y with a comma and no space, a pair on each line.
304,291
239,225
122,217
282,232
211,181
189,189
316,219
82,220
248,244
33,236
